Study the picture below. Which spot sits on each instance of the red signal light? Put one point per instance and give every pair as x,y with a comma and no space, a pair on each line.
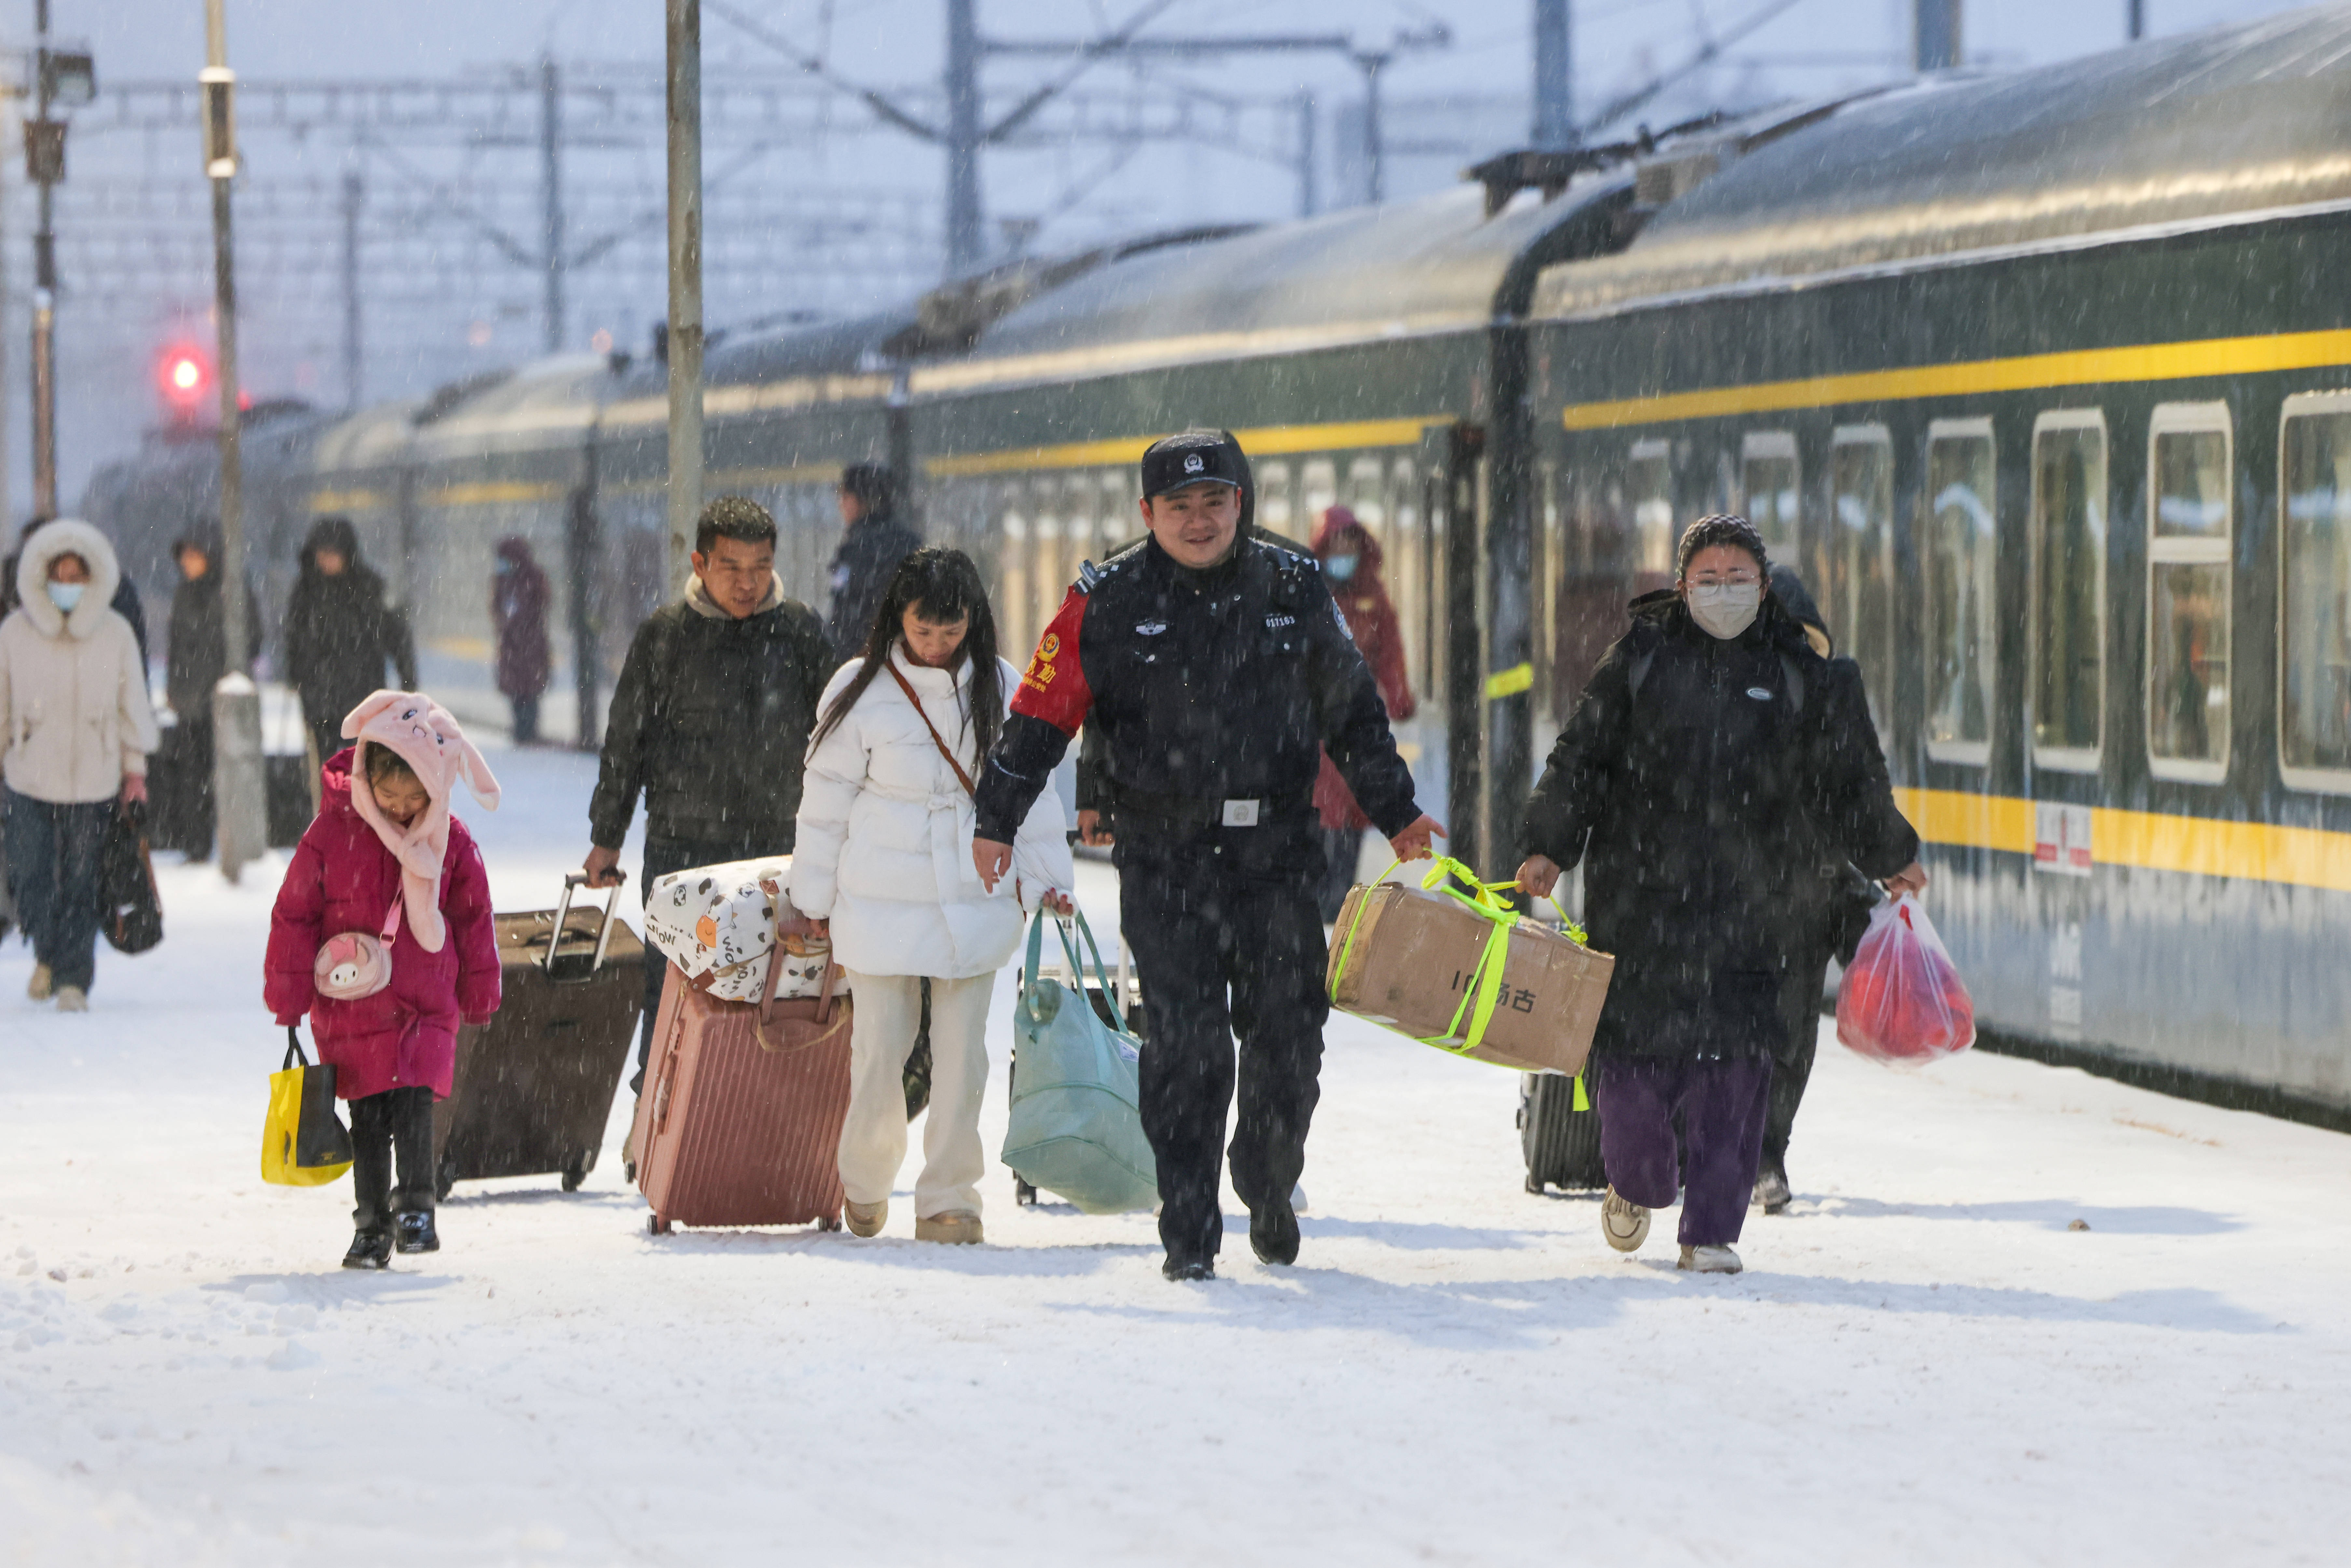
184,375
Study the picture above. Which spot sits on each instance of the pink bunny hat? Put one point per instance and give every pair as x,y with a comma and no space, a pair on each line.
426,737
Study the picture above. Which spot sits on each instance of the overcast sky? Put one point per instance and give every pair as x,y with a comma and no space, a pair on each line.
1469,97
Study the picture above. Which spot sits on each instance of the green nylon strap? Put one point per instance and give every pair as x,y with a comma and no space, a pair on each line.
1077,965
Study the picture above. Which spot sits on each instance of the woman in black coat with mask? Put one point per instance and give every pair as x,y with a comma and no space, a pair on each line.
1703,776
339,634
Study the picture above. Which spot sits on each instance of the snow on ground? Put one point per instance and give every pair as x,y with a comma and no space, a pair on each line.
1924,1363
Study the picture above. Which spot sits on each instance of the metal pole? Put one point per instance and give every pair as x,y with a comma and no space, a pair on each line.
354,199
239,790
1308,198
45,300
963,249
684,285
1554,126
1374,149
1937,34
2138,19
550,174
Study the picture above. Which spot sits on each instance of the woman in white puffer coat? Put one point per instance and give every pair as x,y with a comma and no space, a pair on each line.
882,859
75,732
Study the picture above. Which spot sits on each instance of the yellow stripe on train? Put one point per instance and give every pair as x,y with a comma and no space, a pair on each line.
1973,377
2202,846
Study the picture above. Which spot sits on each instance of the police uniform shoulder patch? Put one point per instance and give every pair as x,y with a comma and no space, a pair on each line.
1087,575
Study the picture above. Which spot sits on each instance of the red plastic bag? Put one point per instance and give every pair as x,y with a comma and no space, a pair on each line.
1901,1000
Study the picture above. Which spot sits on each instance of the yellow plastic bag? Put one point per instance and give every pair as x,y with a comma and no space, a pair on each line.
304,1142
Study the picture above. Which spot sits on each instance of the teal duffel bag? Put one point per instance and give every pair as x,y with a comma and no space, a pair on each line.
1076,1129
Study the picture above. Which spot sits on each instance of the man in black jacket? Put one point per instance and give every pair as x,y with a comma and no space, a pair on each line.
711,719
1710,771
193,663
1213,664
872,542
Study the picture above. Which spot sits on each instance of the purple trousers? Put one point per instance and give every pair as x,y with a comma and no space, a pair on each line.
1721,1106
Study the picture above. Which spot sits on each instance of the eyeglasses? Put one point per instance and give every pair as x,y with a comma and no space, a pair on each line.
1725,579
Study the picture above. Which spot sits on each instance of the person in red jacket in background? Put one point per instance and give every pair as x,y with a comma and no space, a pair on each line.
1350,561
519,603
385,852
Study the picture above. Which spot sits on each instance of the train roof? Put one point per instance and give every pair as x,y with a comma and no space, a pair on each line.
1437,264
2190,130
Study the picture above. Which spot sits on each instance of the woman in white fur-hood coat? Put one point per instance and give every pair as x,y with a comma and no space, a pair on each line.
75,731
883,855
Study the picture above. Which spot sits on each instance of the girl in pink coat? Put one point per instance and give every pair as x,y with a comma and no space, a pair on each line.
385,846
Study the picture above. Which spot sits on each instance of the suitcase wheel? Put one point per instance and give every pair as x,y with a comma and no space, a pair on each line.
1022,1193
444,1179
828,1222
577,1172
656,1226
629,1170
1535,1185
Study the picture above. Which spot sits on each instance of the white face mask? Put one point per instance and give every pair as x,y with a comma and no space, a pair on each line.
1725,609
65,596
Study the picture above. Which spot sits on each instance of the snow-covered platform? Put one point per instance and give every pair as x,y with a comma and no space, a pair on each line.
1925,1361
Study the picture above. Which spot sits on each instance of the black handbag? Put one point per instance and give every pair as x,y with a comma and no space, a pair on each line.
130,911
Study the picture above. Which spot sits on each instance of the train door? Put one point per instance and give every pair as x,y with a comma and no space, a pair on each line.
1452,463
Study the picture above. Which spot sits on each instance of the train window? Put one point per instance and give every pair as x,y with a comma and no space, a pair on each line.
1859,559
1406,551
1272,495
1649,498
1768,479
2315,625
1014,607
1364,497
1318,487
2068,569
1118,518
2187,591
1958,558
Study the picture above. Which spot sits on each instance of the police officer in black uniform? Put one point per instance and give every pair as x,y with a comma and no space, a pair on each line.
1213,664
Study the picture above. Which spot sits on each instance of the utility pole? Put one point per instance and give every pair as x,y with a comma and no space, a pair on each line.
1308,198
239,792
2137,20
1936,32
1374,142
551,176
1554,126
963,137
685,336
45,149
354,201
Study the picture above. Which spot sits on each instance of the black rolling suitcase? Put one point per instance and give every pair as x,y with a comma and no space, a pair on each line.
534,1086
1560,1142
1129,988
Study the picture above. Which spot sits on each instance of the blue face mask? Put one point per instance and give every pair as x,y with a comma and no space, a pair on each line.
66,595
1341,567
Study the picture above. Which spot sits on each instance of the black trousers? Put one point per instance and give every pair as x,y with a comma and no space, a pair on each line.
397,1120
1792,1067
526,719
196,782
663,856
1230,942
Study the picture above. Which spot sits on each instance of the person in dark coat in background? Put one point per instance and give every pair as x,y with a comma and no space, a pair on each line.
1708,771
193,663
341,633
1829,910
710,720
518,602
872,542
125,602
1351,563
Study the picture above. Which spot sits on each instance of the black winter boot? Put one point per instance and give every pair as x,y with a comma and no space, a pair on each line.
415,1228
371,1247
1274,1232
1181,1270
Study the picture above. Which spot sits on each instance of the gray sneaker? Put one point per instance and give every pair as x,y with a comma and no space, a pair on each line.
38,986
1623,1222
1709,1261
1772,1194
72,999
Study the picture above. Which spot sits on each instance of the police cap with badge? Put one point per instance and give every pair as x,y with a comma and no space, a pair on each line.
1195,456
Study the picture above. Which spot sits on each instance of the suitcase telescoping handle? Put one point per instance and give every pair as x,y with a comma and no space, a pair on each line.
573,880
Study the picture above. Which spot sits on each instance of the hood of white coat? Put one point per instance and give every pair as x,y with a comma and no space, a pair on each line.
67,536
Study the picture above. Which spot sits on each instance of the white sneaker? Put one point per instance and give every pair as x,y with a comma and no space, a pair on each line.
1623,1222
38,986
1709,1261
867,1219
72,999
